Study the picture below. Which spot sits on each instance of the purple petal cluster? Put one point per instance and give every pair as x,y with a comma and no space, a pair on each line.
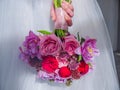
89,49
30,47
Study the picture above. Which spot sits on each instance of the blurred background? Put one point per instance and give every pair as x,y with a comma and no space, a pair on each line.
111,13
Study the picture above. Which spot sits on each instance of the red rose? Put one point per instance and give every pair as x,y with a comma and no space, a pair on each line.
64,72
83,67
49,64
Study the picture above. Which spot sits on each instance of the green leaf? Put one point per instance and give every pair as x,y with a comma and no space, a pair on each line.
90,64
44,32
57,3
68,1
68,82
51,80
60,33
78,36
82,40
79,58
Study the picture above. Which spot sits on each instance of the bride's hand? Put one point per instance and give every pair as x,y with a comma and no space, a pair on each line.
68,8
68,12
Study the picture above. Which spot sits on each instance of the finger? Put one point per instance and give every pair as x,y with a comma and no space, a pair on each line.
68,19
52,12
70,6
67,10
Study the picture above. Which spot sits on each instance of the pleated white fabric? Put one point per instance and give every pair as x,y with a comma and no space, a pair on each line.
17,17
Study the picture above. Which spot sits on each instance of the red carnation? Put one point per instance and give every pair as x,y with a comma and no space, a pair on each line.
64,72
49,64
83,67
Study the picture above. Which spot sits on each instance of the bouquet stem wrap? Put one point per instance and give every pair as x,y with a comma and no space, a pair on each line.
60,22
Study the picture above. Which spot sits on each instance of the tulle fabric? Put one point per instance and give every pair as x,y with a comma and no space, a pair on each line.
17,17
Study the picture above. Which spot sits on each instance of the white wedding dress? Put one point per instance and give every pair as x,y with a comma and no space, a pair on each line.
17,17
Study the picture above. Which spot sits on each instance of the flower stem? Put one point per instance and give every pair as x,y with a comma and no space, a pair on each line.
57,3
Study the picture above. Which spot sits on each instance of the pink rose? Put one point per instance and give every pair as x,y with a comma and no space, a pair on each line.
50,45
70,44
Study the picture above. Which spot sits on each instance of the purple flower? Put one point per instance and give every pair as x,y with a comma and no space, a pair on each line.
89,49
44,75
51,76
30,46
78,51
25,57
73,64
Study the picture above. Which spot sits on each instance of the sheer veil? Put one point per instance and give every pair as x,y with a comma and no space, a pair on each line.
17,17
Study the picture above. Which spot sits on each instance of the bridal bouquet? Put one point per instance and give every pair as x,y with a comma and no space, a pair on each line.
59,56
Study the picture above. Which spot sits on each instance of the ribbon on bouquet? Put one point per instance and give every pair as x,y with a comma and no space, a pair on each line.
60,24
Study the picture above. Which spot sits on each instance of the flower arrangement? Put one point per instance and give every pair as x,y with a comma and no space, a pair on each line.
59,56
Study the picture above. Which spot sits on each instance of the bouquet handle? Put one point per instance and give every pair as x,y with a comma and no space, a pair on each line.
60,24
